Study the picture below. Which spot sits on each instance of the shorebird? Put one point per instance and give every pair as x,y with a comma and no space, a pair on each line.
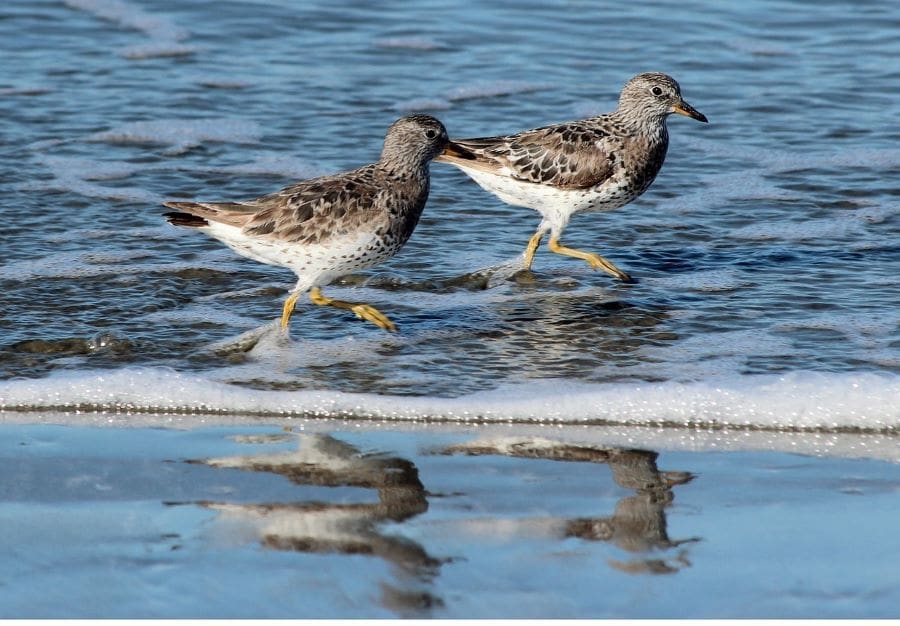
596,164
326,227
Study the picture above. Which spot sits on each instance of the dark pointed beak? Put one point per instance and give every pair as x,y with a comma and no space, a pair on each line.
456,150
683,108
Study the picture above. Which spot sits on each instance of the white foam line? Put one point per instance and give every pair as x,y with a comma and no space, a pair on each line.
882,446
802,400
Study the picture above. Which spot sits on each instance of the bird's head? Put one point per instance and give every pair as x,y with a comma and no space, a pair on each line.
415,138
654,95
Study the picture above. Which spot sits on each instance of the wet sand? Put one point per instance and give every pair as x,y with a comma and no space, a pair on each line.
165,516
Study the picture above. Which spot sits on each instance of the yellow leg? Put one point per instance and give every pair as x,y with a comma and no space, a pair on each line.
288,309
531,248
362,311
594,260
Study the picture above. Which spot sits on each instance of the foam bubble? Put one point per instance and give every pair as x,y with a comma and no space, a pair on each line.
279,164
73,175
409,43
191,313
872,336
77,174
837,228
877,214
181,135
859,325
129,16
164,35
492,89
770,160
76,264
88,169
705,281
158,51
710,355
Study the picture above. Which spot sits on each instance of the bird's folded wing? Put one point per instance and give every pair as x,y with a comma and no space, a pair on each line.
568,156
311,211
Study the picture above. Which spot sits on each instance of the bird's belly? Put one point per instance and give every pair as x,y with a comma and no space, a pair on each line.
318,263
552,200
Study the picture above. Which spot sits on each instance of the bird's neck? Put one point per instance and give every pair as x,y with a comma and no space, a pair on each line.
402,169
651,126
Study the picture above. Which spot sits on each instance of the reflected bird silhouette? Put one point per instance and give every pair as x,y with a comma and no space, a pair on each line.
638,524
340,526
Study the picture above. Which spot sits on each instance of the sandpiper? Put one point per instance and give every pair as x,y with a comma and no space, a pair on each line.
596,164
326,227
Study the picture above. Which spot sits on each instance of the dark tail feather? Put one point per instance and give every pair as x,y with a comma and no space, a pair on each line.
178,218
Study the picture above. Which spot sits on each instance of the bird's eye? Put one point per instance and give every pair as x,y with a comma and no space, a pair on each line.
431,133
656,91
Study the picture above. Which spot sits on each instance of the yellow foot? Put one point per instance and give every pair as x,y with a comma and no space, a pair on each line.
362,311
596,261
371,314
531,248
288,310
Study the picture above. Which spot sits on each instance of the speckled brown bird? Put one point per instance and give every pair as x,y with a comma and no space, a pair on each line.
330,226
596,164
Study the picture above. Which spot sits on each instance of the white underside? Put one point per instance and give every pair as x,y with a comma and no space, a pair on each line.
314,264
554,204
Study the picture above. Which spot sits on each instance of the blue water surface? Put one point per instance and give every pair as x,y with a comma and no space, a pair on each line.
768,243
767,247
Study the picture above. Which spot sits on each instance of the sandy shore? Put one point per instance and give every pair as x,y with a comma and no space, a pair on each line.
158,516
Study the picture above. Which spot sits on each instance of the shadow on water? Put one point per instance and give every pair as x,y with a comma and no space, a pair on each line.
636,526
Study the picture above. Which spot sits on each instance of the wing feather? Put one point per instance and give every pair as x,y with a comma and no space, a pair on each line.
570,156
311,211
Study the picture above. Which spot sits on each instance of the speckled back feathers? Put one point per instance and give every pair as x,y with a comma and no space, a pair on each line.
625,148
386,197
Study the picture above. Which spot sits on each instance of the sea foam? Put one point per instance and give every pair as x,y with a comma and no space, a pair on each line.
794,401
494,89
165,37
181,135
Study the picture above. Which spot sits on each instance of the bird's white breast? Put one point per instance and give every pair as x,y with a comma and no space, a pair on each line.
314,264
556,204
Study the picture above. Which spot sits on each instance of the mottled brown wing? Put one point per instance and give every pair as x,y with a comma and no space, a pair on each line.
310,211
317,210
569,156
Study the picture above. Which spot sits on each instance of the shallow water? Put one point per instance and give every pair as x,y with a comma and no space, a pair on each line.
768,243
765,254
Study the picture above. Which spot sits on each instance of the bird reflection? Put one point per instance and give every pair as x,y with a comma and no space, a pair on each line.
638,524
346,528
582,335
343,524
